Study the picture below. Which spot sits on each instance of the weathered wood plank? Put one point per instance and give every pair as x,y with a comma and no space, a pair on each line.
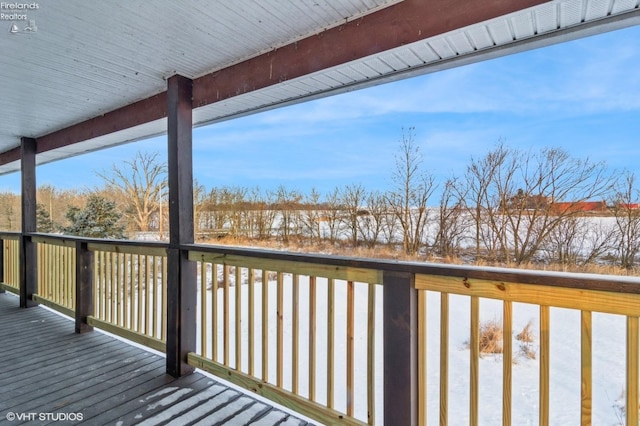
107,380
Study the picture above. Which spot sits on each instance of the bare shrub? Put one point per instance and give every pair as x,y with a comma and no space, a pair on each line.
490,340
491,337
526,339
526,335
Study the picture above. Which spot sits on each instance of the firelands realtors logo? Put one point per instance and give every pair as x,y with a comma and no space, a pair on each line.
19,15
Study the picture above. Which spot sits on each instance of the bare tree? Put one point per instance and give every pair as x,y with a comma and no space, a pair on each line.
351,199
454,221
412,189
331,216
372,223
579,240
310,217
518,195
627,220
288,206
263,215
141,181
480,202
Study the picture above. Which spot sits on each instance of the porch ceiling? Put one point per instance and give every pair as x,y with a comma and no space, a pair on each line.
94,73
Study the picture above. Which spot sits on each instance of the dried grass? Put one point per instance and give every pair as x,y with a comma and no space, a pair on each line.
491,337
526,335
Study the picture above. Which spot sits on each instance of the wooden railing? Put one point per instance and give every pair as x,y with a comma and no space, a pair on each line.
11,261
56,274
130,290
279,327
556,291
344,340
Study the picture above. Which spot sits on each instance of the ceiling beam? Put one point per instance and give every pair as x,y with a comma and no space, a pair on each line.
405,22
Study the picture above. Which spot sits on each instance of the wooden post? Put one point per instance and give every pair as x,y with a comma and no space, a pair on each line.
1,263
28,255
181,285
84,287
400,348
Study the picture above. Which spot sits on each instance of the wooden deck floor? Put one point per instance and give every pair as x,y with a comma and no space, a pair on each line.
47,373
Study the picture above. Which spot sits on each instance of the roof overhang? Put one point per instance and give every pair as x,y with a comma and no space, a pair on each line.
94,75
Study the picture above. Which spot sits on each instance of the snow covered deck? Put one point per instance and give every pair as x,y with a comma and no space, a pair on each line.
92,378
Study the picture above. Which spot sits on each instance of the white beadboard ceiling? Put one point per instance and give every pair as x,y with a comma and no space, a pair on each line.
88,58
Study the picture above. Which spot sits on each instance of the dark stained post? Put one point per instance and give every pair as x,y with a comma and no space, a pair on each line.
1,263
181,283
400,348
28,272
84,287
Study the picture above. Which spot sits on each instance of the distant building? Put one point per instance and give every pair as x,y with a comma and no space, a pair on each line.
581,206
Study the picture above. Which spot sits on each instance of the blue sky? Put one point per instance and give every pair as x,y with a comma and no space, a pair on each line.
583,96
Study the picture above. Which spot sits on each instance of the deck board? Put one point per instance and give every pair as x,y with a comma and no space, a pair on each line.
47,368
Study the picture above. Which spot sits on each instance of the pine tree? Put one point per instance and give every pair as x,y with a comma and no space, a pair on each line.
98,219
43,220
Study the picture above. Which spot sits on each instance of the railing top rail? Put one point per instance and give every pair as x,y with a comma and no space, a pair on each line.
615,283
612,283
99,241
10,235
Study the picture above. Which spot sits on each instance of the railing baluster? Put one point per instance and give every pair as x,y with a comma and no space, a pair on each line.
238,316
214,304
163,317
119,296
103,279
154,297
544,364
632,371
507,360
444,359
371,354
331,296
295,333
422,357
350,348
203,310
115,287
225,310
252,321
585,367
139,311
280,330
148,287
312,338
475,358
126,292
265,325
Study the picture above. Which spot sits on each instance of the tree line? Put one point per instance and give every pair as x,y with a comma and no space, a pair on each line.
509,206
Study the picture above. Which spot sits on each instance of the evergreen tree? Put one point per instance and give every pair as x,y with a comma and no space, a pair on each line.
43,220
98,219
